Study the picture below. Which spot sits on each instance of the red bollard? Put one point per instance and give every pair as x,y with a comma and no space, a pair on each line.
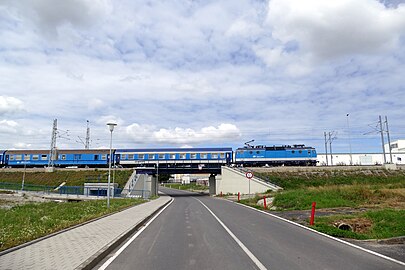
264,202
311,221
238,196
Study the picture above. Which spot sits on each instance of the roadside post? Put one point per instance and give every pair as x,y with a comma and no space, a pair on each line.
264,202
238,196
249,175
311,222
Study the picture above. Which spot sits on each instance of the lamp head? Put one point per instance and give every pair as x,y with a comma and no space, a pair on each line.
111,126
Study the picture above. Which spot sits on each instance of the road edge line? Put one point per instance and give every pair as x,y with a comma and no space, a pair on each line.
324,234
150,219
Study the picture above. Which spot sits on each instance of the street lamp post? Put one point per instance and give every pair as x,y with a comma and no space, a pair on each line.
111,127
350,141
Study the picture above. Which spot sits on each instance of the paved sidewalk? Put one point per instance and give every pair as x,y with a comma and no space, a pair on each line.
76,248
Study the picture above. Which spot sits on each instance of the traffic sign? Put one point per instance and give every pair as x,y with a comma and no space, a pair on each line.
249,175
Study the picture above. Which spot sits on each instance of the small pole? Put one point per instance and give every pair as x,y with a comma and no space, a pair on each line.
264,202
23,179
221,194
238,196
311,222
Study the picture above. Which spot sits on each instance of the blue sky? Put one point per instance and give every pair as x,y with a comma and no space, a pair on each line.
201,73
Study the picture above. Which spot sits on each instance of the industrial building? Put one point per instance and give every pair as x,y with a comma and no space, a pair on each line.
397,156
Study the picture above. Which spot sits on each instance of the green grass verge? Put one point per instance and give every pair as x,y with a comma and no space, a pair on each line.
26,222
296,180
385,223
336,196
72,178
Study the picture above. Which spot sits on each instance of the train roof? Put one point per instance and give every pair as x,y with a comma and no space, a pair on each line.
276,147
156,150
60,151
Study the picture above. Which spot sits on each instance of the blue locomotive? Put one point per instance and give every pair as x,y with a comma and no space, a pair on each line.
295,155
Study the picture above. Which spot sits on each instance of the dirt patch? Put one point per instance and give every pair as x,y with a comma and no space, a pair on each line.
10,200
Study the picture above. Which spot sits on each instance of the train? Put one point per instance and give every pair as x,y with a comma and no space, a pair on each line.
284,155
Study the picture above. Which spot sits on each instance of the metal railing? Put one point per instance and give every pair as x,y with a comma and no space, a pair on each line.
76,190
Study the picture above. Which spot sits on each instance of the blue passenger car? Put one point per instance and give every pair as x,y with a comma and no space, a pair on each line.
29,158
276,155
175,157
83,158
63,158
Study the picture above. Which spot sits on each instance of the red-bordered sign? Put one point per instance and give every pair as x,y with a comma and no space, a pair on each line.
249,175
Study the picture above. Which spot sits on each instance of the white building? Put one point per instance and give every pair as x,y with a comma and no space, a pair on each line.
397,152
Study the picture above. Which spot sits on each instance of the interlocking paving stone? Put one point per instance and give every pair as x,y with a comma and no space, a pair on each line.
68,250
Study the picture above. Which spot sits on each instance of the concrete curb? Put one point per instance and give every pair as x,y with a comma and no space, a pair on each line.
91,262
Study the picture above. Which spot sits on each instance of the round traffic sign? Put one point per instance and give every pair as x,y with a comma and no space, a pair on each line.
249,175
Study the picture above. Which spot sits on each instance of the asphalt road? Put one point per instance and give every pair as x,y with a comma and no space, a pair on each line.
200,232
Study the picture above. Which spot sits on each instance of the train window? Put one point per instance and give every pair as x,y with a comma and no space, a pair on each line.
214,155
292,151
18,157
257,152
141,156
131,156
172,156
62,157
300,151
35,157
309,151
151,156
11,157
44,157
161,156
95,157
203,155
103,157
182,156
222,155
250,152
240,152
193,155
27,157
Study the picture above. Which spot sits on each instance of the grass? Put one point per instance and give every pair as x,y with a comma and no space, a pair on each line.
385,223
339,196
72,178
297,180
23,223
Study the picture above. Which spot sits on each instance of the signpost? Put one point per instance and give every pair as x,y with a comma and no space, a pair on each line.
249,175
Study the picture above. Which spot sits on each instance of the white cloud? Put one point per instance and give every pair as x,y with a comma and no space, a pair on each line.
181,136
21,145
10,105
8,126
329,29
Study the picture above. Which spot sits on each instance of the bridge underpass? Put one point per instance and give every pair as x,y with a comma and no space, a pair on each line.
222,179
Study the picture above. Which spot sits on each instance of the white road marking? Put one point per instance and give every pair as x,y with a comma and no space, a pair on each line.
328,236
244,248
110,260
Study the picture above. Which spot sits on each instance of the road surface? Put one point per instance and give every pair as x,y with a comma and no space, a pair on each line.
200,232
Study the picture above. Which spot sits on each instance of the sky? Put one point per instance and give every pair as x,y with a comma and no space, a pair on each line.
194,73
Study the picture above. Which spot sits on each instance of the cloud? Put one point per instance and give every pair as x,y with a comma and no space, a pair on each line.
22,145
181,136
8,126
331,29
10,105
49,15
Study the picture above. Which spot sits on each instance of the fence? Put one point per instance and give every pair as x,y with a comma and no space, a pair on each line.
75,190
